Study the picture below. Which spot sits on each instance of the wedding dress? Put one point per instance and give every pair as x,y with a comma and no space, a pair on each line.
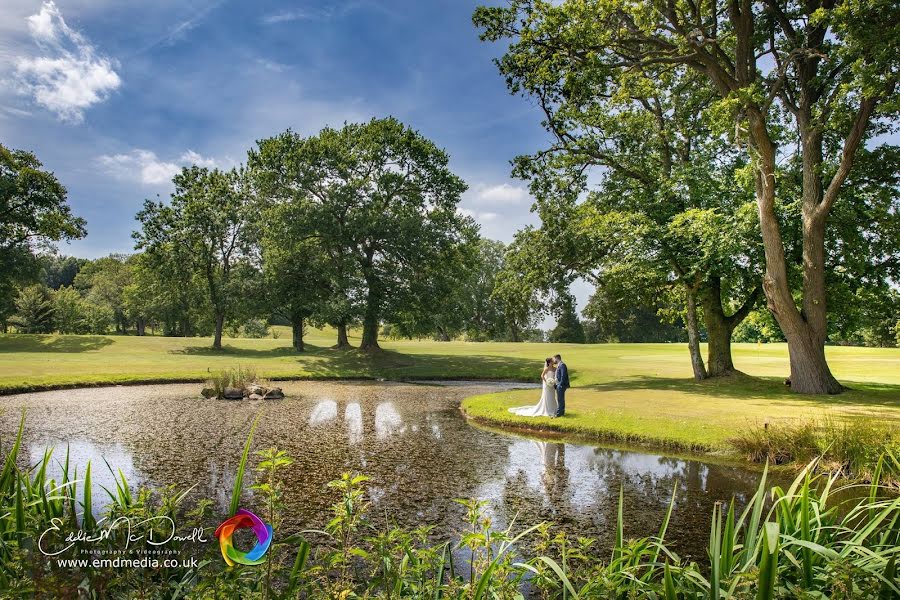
547,405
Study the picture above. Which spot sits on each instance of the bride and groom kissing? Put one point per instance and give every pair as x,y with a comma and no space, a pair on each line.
555,379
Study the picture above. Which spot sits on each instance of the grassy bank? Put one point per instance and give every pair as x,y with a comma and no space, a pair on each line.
623,392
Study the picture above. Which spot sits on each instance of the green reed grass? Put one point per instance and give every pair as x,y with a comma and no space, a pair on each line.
853,446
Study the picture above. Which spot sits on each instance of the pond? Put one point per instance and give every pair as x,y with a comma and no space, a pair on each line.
411,439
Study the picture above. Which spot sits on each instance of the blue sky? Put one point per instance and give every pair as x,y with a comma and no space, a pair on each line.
114,97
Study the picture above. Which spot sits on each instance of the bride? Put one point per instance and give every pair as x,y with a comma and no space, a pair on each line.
547,406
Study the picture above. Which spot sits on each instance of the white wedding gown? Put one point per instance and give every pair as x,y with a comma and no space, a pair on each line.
546,407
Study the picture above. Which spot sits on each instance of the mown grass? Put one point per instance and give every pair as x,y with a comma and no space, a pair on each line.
639,393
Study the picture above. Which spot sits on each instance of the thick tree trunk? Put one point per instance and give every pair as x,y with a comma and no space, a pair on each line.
372,315
343,341
140,326
720,326
718,358
297,335
693,329
809,369
220,324
370,333
371,319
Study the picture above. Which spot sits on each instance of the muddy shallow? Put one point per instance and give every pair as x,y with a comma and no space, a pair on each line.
412,440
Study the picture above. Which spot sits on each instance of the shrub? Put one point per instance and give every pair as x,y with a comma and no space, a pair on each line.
34,310
255,329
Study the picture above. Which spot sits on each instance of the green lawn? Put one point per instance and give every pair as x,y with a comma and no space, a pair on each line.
626,392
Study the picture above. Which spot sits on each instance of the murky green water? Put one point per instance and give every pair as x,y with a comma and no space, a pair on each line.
412,441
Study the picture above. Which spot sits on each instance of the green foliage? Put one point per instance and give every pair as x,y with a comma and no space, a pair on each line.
69,311
380,202
202,234
255,329
34,310
637,189
569,329
759,326
59,271
518,285
33,213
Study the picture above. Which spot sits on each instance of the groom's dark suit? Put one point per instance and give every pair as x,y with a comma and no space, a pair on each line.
562,384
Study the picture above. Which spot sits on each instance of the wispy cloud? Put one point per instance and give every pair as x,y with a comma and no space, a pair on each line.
503,193
288,16
181,29
145,167
69,76
480,217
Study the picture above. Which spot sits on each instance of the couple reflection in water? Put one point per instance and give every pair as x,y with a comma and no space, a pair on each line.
554,474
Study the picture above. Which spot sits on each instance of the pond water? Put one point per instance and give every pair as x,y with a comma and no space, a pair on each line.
411,440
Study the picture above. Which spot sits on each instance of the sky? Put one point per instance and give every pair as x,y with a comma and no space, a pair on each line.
115,97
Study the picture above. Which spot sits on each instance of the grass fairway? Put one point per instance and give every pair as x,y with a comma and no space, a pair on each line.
626,392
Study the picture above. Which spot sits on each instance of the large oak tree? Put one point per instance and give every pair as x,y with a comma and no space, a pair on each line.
380,195
816,78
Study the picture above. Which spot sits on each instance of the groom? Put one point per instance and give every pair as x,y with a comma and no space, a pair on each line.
562,384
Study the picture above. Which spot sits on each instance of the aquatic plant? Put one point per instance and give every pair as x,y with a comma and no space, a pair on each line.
819,537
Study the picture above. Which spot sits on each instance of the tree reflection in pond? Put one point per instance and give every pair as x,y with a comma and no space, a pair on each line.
411,440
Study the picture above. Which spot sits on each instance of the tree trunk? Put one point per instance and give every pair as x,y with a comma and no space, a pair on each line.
693,330
809,369
370,333
805,331
342,340
297,335
720,326
371,321
220,323
373,306
141,326
718,357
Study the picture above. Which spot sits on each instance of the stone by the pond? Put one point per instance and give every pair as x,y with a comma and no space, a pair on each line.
208,393
233,394
255,397
255,388
274,394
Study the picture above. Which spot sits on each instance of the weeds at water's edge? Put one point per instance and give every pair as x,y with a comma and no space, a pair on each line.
817,538
853,447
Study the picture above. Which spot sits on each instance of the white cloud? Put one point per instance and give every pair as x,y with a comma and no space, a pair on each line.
286,16
503,193
480,217
145,167
69,76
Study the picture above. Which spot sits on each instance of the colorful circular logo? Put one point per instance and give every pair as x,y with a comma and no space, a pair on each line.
244,519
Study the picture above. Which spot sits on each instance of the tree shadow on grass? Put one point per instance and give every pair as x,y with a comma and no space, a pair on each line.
329,363
391,364
228,350
51,343
745,387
